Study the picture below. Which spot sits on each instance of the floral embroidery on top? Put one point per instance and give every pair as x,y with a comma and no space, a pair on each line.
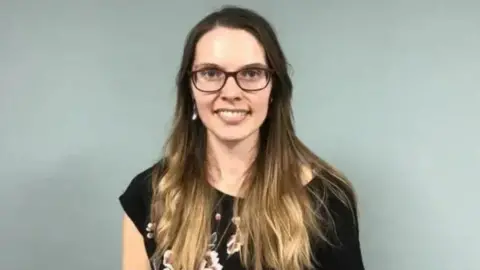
167,260
234,243
149,230
211,260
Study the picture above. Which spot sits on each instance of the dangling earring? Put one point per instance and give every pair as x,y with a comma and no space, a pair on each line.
194,116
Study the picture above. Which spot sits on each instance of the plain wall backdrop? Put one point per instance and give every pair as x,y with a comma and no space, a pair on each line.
387,91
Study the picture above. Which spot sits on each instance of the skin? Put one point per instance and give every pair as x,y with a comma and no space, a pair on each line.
134,255
230,145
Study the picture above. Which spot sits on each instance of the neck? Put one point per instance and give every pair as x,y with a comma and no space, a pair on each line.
229,161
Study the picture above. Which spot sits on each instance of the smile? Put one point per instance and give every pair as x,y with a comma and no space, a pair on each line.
232,116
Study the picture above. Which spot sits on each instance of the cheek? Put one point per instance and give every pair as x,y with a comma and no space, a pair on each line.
260,108
260,105
204,109
204,105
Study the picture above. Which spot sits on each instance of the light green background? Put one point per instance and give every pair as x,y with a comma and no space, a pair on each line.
388,91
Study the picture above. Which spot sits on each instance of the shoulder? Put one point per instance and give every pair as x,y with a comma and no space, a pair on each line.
338,205
336,198
335,190
139,187
136,198
334,202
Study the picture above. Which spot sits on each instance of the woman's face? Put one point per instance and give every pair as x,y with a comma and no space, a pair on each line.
230,114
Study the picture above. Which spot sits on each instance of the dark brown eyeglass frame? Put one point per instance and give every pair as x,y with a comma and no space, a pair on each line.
269,72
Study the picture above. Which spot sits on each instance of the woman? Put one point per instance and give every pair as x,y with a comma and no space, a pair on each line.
236,188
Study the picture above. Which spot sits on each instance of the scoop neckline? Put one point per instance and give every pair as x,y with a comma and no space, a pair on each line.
223,194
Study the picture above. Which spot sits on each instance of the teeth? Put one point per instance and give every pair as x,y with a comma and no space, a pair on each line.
233,113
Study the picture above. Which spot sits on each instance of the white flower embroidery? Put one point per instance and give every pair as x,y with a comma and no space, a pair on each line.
150,229
211,262
233,245
213,241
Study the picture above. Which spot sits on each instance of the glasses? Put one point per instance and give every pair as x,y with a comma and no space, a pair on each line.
213,79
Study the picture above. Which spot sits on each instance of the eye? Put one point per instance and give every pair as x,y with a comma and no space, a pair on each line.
210,73
252,74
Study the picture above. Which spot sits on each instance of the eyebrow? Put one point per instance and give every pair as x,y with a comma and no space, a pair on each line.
213,65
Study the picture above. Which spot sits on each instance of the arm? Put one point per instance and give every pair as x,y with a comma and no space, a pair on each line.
134,256
135,202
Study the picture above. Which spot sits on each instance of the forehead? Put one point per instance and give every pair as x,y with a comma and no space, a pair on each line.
228,48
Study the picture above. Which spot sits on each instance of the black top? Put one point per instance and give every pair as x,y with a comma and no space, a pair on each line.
347,256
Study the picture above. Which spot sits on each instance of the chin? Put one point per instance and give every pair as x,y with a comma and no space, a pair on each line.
232,136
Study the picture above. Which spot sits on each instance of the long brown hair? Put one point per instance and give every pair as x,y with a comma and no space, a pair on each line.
278,216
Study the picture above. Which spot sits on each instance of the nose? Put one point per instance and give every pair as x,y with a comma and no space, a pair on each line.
231,91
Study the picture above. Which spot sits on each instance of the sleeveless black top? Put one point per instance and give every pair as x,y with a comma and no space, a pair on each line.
346,255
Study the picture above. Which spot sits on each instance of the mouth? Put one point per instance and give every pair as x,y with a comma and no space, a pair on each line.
232,116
